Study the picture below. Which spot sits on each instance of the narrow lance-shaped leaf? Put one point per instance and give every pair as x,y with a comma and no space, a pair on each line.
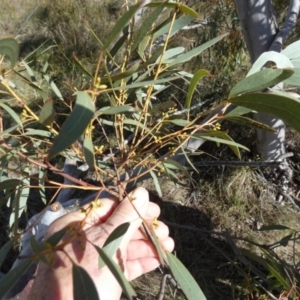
146,26
117,272
54,239
193,84
260,80
75,124
185,280
10,47
248,122
83,285
122,22
4,250
10,184
156,183
12,113
274,227
112,243
196,51
177,25
88,150
285,108
46,116
11,278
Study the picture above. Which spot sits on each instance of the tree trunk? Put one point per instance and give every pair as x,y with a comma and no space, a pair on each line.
262,34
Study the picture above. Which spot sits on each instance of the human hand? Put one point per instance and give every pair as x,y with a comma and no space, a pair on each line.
136,254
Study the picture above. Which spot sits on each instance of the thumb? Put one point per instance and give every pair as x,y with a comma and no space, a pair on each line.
131,210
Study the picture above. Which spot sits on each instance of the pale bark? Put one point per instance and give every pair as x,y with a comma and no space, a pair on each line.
261,34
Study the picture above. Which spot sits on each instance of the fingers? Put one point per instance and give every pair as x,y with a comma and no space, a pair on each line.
138,267
142,248
98,215
131,209
161,231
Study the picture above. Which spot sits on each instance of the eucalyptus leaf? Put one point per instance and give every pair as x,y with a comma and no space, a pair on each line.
83,285
193,84
274,227
8,281
260,80
118,273
156,183
122,22
113,241
75,124
185,280
11,113
285,108
146,26
4,250
46,116
10,47
88,150
196,51
281,61
10,184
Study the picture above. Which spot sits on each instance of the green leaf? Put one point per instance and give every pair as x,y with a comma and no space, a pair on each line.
172,164
260,80
187,10
117,46
285,108
113,110
196,51
78,64
88,150
292,51
295,78
160,252
4,250
122,22
274,227
11,113
145,83
177,25
55,238
193,84
169,54
53,87
138,124
12,277
238,111
146,26
156,183
112,243
75,124
248,122
118,274
42,133
83,285
10,47
10,184
46,116
219,137
281,61
185,280
178,122
5,132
